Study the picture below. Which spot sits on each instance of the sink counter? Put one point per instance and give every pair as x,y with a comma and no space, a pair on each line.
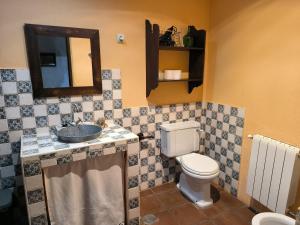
43,150
45,144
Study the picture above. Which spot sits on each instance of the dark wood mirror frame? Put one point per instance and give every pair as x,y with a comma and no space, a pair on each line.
31,36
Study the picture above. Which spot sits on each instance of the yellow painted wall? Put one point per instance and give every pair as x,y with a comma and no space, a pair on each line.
81,62
110,17
254,62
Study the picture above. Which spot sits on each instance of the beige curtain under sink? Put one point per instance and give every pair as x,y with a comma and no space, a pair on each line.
86,192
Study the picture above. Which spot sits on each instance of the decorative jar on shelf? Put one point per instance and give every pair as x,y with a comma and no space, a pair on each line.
188,39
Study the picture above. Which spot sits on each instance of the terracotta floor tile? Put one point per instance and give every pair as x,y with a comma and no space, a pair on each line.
172,208
146,193
229,201
165,187
223,205
206,223
171,199
150,204
244,214
212,211
227,218
165,218
188,215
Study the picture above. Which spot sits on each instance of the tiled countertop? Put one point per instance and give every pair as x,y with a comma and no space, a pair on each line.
44,150
44,144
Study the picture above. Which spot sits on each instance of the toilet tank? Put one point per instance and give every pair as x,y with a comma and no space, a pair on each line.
180,138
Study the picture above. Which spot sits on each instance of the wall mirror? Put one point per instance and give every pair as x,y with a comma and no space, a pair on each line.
63,60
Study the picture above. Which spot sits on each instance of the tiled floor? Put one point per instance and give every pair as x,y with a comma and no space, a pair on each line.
172,208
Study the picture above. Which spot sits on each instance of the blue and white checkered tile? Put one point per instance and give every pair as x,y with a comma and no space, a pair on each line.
53,109
88,116
32,168
26,111
8,182
117,104
39,220
35,196
133,203
87,98
133,160
76,107
2,113
116,84
107,95
98,105
24,87
133,182
6,160
134,221
11,100
4,137
64,99
8,75
64,159
45,113
127,112
65,119
108,114
223,126
106,75
15,124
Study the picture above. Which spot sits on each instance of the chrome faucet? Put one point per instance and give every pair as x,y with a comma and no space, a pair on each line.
77,109
73,123
78,121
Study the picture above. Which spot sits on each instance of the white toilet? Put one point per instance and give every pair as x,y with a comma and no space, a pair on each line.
182,140
269,218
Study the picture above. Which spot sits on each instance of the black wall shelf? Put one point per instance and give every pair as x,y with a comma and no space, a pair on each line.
175,48
181,80
196,58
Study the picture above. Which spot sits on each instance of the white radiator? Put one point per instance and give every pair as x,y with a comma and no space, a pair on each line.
273,173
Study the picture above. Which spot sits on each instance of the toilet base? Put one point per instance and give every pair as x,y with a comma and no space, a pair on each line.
196,190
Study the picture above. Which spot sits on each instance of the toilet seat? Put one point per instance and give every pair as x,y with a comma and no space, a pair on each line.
199,165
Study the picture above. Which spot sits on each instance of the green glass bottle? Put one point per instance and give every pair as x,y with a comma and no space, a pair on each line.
188,39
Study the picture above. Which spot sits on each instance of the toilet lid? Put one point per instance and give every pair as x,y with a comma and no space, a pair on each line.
199,164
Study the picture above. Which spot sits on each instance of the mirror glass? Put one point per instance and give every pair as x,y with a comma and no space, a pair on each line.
65,61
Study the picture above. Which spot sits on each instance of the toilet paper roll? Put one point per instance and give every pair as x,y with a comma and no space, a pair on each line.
168,75
176,74
172,74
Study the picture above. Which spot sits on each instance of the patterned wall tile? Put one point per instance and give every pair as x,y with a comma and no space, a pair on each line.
8,75
133,182
134,221
133,203
35,196
32,168
223,125
39,220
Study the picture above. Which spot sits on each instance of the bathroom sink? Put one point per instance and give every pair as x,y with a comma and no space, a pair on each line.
79,133
272,219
